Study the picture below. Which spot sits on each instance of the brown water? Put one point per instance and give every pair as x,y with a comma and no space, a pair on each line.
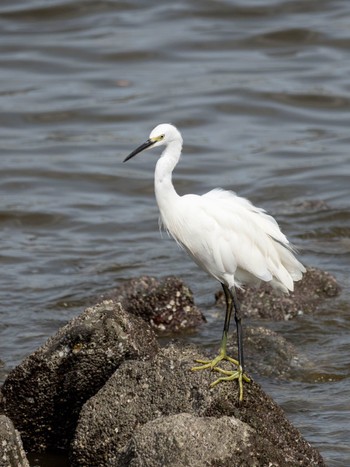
261,93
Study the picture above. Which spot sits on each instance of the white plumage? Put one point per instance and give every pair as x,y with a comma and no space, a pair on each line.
226,235
232,240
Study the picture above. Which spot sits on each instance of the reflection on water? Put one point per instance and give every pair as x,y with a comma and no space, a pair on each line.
260,92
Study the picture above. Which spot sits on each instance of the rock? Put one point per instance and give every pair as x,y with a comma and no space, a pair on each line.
44,394
140,392
184,439
102,382
266,303
168,305
11,449
270,354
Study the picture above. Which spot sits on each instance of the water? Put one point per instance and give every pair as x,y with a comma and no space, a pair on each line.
260,91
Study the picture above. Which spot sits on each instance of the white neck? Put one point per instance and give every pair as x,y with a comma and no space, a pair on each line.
163,185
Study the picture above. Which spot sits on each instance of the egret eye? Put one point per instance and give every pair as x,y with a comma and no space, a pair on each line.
161,137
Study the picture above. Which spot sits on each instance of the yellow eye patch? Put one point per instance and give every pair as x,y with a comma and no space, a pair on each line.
156,139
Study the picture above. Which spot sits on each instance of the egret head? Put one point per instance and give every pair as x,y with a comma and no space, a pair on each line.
162,134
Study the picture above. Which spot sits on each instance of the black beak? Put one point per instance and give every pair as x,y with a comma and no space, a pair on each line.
143,146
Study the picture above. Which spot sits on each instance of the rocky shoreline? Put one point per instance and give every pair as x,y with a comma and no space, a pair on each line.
104,391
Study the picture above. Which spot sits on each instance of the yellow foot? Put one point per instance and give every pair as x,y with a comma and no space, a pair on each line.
212,363
229,375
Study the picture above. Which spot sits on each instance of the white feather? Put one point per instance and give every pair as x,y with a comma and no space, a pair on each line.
226,235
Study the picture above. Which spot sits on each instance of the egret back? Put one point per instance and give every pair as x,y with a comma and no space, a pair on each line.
231,239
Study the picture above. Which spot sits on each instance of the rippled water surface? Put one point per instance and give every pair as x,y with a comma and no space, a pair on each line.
261,93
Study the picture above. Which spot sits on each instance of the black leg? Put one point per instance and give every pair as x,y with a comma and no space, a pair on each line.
229,303
238,321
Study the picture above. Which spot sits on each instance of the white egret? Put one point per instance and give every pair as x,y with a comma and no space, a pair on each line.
234,241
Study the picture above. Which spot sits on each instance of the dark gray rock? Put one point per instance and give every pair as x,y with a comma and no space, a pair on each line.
186,440
44,394
141,392
11,449
168,305
107,360
270,354
266,303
